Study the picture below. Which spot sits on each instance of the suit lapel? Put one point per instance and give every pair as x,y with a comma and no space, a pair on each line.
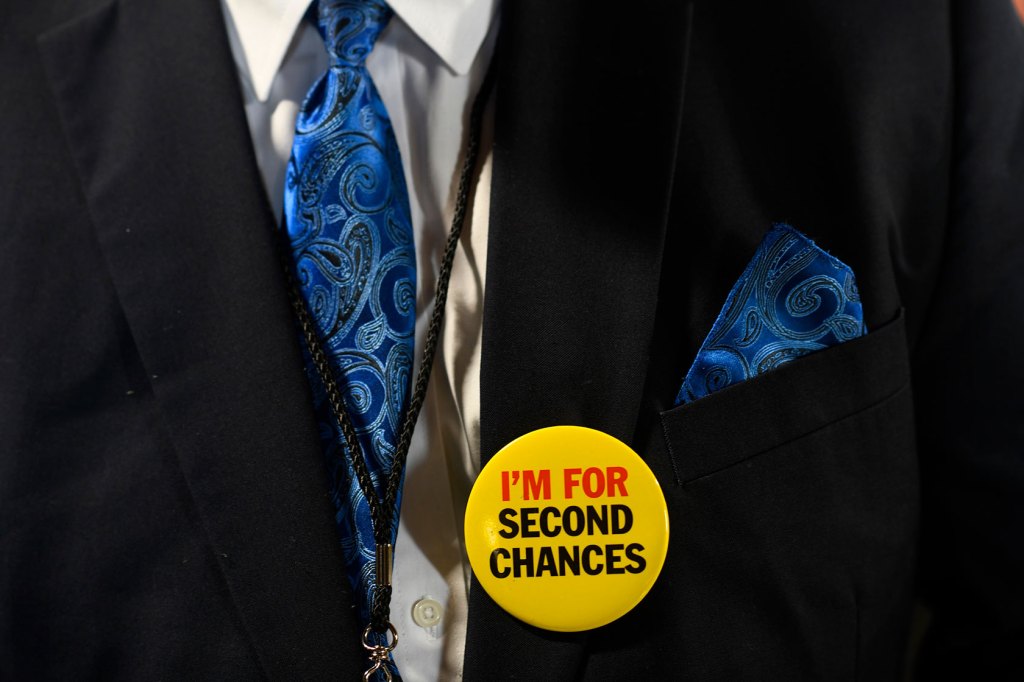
587,119
150,101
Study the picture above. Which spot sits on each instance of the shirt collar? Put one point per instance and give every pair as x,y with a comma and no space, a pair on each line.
453,29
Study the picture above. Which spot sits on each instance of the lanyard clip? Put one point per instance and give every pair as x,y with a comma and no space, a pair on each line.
379,653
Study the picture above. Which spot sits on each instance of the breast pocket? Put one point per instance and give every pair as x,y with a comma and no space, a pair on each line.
763,413
796,508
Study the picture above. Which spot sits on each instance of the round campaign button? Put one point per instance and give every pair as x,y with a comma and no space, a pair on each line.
566,528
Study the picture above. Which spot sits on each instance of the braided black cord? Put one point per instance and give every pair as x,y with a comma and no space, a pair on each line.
382,511
334,399
380,611
441,295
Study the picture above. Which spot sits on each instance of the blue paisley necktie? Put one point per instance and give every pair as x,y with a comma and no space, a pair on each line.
346,211
792,299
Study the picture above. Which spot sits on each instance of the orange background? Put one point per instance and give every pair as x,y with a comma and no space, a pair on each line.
1019,4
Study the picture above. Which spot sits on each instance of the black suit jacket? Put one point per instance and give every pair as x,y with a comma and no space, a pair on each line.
163,510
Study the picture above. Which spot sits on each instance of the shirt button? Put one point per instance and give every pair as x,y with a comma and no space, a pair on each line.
427,612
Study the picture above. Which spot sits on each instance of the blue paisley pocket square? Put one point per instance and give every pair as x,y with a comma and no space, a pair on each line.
792,299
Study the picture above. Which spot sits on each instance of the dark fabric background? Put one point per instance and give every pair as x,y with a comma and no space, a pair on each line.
163,509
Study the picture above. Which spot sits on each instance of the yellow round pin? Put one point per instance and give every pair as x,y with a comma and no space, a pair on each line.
566,528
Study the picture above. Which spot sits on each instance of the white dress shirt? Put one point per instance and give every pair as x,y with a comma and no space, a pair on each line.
427,65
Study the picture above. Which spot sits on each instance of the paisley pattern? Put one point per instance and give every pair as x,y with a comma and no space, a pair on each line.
793,299
348,223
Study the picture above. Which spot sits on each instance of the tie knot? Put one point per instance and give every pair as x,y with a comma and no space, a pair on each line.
350,28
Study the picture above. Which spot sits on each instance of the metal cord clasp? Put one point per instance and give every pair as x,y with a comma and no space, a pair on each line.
384,561
379,653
